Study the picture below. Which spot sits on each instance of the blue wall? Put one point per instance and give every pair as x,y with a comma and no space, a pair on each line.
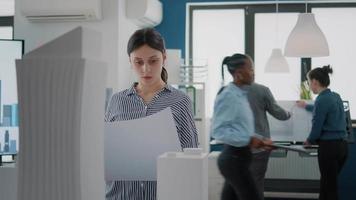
172,26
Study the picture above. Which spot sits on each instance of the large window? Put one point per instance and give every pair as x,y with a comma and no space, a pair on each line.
265,40
228,25
223,32
338,25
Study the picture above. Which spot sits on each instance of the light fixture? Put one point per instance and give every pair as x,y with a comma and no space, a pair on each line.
306,39
277,63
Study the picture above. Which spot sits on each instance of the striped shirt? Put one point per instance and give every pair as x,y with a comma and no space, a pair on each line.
128,105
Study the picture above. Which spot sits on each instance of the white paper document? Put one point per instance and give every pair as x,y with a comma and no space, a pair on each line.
132,147
297,128
297,148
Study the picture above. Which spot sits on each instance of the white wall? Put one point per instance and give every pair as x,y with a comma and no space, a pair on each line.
126,28
115,29
7,7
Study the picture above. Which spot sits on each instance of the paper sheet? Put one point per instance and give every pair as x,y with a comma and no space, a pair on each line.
132,147
297,128
297,148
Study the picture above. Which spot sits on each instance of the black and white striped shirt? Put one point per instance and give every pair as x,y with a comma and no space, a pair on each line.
127,105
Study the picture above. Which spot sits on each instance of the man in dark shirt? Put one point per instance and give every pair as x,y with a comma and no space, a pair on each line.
262,101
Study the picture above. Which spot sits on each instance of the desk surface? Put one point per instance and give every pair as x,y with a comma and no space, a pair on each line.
294,195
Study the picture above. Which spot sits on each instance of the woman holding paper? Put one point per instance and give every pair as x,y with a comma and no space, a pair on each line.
149,95
233,124
328,131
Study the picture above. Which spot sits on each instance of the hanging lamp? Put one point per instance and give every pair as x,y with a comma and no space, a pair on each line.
277,63
306,39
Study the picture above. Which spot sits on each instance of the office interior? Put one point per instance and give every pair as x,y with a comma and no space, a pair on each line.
198,35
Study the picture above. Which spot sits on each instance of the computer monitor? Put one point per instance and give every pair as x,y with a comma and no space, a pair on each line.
10,51
349,130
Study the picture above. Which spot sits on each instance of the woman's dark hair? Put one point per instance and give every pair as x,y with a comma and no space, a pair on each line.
233,62
153,39
321,75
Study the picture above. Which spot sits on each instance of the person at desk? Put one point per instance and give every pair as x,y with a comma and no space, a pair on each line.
233,124
328,131
151,94
262,101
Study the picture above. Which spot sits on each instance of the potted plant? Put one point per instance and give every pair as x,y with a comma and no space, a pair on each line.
305,92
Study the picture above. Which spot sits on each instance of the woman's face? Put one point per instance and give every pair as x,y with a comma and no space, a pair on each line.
314,85
247,74
147,64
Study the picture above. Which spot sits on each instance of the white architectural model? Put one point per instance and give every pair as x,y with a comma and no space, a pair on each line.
183,175
61,99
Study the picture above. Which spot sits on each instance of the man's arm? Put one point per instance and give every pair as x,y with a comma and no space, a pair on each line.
273,108
307,107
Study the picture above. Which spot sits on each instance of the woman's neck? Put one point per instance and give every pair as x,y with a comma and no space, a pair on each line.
238,83
145,89
321,89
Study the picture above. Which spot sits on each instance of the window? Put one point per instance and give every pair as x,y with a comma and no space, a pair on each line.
265,41
224,31
338,26
250,28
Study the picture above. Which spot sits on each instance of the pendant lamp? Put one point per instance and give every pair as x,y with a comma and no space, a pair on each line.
306,39
277,63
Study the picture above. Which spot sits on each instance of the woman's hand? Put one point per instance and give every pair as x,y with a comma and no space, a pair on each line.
256,143
267,145
301,104
307,143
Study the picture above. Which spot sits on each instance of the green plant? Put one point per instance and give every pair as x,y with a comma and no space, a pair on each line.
305,92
